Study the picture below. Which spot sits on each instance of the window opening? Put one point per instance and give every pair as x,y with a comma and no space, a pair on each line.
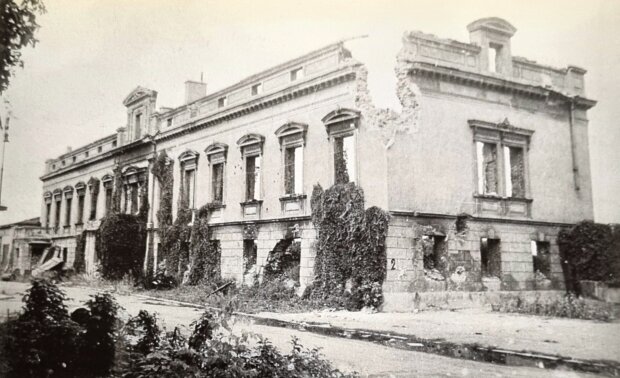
252,170
490,256
344,159
217,182
541,257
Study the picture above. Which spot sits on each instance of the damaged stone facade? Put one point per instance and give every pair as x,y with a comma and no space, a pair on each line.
482,165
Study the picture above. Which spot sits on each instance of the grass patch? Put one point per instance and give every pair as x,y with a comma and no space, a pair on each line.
568,306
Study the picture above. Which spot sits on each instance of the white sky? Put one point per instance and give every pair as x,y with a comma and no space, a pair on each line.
91,54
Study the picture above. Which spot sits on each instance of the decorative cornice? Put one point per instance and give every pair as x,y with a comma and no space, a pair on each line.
416,214
500,84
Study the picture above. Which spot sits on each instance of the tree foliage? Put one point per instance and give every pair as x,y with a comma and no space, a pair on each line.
18,24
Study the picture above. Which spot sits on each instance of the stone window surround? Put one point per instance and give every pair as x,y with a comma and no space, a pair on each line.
339,123
251,145
132,175
292,134
217,153
502,134
189,162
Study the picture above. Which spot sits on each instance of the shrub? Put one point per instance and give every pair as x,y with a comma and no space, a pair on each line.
98,342
588,253
43,341
150,332
121,243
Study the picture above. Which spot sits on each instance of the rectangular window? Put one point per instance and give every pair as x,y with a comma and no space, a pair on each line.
252,174
68,212
487,168
222,101
490,256
48,214
86,154
217,182
541,257
133,189
494,54
80,214
433,247
297,74
257,89
108,199
93,204
137,126
514,169
74,159
99,149
344,159
169,122
57,215
190,184
113,144
293,174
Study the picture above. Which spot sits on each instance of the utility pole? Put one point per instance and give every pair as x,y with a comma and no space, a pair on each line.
5,130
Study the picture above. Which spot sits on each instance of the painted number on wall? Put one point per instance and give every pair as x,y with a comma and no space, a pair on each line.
393,262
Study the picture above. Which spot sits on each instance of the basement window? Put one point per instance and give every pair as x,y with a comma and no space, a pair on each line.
433,247
541,257
249,256
490,257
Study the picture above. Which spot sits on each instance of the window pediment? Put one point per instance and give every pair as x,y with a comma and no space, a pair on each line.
133,174
189,159
80,188
216,152
57,193
499,131
251,144
68,191
292,133
341,121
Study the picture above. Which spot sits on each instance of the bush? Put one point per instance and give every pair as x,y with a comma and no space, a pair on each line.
588,253
98,342
569,306
43,341
121,244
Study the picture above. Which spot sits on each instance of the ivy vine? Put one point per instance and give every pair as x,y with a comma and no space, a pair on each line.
350,263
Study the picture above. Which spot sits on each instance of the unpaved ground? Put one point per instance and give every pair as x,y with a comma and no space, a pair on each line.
348,355
581,339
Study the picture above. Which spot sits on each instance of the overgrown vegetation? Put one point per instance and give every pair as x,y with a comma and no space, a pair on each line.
45,342
121,238
590,252
568,306
80,259
350,253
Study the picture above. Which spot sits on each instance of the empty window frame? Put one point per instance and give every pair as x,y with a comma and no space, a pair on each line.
80,209
297,73
252,177
108,190
68,201
169,122
541,257
217,182
57,212
137,126
93,188
494,55
433,247
490,257
501,160
293,170
190,186
249,256
257,89
48,214
344,159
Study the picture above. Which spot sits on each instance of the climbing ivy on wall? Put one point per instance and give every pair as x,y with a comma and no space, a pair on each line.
162,171
204,253
350,261
80,259
121,238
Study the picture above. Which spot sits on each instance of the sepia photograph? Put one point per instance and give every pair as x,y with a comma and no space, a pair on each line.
330,188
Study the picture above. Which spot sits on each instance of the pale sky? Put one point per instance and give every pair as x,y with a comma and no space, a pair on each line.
91,54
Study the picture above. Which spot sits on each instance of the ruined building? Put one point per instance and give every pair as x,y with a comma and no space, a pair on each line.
486,161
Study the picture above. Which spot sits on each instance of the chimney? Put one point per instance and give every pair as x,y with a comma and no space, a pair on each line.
194,90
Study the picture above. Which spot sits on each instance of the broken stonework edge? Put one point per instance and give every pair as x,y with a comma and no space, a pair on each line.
474,352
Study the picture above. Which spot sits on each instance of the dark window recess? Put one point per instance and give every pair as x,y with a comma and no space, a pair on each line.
108,199
296,74
490,256
80,215
138,126
257,89
86,154
113,144
217,182
169,122
489,166
542,258
249,255
99,149
221,102
74,159
57,215
251,172
289,170
68,212
134,199
340,162
284,260
48,214
433,248
517,173
93,204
